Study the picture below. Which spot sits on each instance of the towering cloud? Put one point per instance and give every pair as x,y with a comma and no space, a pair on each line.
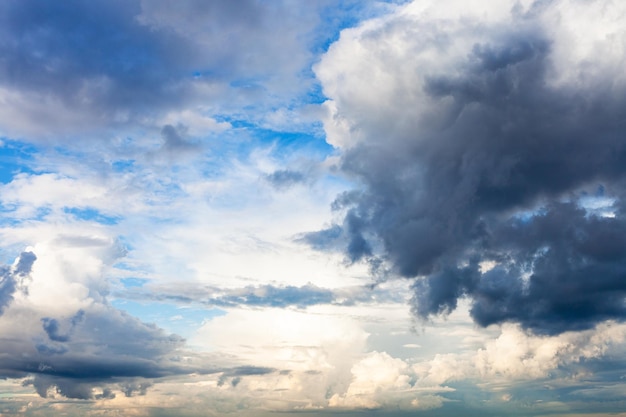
491,144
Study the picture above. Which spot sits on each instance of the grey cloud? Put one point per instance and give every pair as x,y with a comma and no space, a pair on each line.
91,350
7,288
235,375
90,54
50,349
271,296
105,394
25,263
124,63
174,143
190,16
132,388
250,370
265,296
285,178
576,265
101,350
350,235
65,387
323,239
12,277
440,198
52,327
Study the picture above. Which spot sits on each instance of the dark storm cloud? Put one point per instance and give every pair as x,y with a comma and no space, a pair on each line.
561,270
443,197
98,350
349,234
92,349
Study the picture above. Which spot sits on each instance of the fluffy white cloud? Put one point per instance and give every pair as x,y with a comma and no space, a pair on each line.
375,75
517,355
376,376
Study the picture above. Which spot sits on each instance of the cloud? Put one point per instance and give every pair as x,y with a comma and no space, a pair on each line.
12,278
60,333
476,135
66,71
68,55
52,327
173,142
267,295
273,296
516,355
375,380
103,348
285,178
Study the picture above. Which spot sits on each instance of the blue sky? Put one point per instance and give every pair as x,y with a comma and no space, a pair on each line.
321,208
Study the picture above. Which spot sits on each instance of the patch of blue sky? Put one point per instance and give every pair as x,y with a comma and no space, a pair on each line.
599,207
525,216
315,95
335,19
249,138
15,157
133,282
347,14
163,191
72,152
289,143
128,276
291,139
127,266
8,253
8,218
91,214
125,242
598,203
123,165
183,321
41,213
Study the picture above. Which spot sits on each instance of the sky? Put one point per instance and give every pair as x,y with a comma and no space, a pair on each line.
313,208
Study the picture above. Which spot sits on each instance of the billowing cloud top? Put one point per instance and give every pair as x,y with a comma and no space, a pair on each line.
479,130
